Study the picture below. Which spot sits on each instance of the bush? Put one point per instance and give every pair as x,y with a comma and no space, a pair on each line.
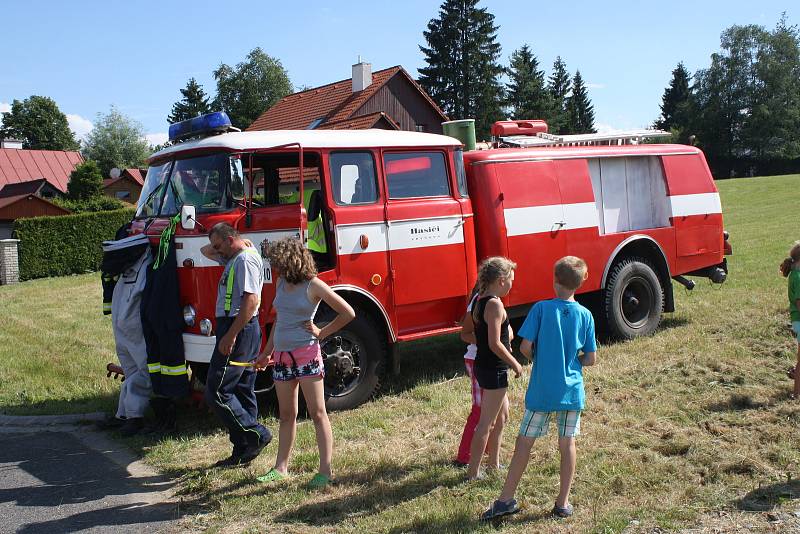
101,203
69,244
85,182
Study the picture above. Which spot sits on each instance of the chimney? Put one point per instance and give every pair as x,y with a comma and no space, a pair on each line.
11,143
362,76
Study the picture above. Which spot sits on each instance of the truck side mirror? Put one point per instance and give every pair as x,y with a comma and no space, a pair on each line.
188,217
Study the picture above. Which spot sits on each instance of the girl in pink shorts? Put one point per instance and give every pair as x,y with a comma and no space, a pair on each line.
293,348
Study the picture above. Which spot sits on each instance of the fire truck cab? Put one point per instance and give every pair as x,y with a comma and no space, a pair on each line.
398,221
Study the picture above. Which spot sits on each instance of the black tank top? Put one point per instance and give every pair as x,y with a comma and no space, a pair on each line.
485,357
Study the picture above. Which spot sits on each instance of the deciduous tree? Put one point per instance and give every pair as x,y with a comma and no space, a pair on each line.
85,182
249,89
116,141
39,124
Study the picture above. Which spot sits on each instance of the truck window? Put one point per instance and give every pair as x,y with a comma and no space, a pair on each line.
461,177
416,174
630,193
353,178
276,177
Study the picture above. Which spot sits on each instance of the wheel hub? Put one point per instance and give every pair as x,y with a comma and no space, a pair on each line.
341,369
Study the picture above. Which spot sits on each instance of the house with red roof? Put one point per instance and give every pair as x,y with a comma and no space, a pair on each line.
126,186
28,178
388,99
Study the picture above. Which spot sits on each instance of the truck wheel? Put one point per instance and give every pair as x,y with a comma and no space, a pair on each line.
633,299
355,361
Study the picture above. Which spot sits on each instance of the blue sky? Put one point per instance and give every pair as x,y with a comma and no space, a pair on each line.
137,55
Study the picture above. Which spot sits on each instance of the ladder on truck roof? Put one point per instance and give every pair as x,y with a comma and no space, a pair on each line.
541,139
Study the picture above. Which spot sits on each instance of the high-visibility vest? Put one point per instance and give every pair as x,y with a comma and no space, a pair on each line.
316,228
232,276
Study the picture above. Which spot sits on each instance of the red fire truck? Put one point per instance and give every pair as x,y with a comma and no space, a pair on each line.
398,221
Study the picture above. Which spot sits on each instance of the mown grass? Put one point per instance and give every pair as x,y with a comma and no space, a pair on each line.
692,419
54,346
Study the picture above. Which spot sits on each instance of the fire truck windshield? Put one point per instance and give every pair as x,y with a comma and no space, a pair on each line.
211,183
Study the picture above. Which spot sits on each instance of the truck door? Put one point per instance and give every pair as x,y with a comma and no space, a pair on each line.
426,240
535,226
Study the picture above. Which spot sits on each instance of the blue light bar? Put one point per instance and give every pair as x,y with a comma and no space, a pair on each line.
216,122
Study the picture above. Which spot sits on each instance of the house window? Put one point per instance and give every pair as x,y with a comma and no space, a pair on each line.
416,174
123,195
315,123
420,128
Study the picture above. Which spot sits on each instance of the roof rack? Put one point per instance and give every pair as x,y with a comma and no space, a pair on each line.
632,137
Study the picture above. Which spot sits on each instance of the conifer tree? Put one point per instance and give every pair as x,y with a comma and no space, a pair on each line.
675,102
527,96
462,73
559,85
580,112
193,103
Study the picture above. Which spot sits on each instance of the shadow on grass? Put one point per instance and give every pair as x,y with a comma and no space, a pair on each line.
101,402
452,525
385,485
428,360
767,498
736,402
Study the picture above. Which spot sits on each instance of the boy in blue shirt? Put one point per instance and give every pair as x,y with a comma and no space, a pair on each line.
563,332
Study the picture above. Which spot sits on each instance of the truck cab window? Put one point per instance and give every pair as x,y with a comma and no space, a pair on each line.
416,174
353,178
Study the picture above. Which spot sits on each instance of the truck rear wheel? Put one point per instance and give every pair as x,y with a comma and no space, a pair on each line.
633,299
355,361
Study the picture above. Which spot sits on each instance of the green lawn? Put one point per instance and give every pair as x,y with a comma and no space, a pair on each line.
694,418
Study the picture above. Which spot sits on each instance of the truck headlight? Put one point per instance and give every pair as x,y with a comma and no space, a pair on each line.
189,315
205,327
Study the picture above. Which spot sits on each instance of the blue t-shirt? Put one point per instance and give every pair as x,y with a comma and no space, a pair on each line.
560,330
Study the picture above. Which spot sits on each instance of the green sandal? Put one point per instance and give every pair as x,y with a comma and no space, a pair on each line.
320,481
272,476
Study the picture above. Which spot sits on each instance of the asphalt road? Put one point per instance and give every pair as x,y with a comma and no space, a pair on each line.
67,478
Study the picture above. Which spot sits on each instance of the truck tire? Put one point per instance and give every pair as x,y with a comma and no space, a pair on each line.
355,360
633,299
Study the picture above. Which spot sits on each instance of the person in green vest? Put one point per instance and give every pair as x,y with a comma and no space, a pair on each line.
316,228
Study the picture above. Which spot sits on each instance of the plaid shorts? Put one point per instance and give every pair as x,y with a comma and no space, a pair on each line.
536,424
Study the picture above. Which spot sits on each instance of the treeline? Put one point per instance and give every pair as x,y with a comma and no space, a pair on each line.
744,109
465,78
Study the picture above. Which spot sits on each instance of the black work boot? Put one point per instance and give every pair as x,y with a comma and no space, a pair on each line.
132,426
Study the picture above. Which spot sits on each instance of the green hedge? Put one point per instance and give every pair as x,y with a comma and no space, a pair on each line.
69,244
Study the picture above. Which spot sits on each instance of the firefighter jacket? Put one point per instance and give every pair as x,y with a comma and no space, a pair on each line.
134,394
118,255
162,324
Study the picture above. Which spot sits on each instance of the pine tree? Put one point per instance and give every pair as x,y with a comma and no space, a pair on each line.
580,112
193,103
675,102
462,73
559,85
527,96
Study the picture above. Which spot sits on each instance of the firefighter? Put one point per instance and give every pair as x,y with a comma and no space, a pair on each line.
231,372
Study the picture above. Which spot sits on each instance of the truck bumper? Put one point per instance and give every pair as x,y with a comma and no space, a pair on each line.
198,348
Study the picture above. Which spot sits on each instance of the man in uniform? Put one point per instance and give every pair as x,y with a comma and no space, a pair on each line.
231,373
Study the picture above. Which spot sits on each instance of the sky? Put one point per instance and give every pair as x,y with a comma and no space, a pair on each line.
136,55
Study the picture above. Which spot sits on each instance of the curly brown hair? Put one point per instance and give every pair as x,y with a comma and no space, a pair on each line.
292,260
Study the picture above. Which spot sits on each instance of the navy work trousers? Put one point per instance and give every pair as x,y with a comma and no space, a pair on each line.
229,387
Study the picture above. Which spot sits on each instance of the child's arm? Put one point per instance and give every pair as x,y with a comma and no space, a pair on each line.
468,330
493,315
588,358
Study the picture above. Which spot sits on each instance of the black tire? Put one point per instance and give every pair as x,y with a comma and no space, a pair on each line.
633,299
355,360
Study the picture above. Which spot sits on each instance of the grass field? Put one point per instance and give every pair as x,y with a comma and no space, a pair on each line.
692,419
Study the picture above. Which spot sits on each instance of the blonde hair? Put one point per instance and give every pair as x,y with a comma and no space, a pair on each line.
493,269
794,257
292,260
570,272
